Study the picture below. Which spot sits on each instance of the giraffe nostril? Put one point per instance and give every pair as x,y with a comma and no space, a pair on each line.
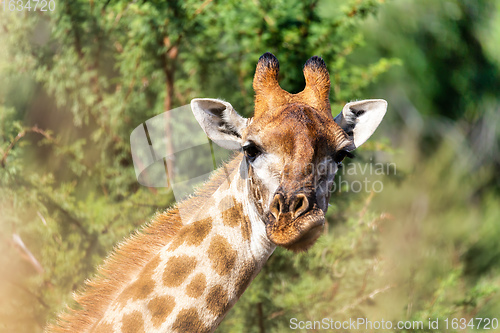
297,204
300,205
276,206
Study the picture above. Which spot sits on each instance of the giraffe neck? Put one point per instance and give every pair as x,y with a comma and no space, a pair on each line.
193,281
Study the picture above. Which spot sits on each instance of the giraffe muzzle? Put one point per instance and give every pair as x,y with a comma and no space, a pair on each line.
294,223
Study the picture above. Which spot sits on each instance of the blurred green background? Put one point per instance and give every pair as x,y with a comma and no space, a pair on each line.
75,82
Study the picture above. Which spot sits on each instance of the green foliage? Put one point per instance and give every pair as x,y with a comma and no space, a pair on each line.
75,82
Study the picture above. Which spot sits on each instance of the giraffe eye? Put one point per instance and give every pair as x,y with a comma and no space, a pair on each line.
340,155
251,151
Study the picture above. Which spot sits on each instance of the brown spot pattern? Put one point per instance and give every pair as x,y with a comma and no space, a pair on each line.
217,300
178,269
192,234
133,323
231,211
245,276
199,230
143,286
233,216
197,286
160,307
246,228
188,321
222,255
178,239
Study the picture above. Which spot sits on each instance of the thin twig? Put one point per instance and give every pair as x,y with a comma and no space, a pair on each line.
20,135
26,253
200,9
42,218
260,315
106,5
51,203
26,290
367,203
362,299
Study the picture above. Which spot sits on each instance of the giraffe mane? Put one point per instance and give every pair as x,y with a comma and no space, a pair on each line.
129,256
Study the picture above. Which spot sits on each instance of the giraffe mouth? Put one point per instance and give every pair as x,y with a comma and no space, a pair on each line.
297,234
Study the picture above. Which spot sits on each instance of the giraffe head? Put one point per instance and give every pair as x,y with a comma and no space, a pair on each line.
292,147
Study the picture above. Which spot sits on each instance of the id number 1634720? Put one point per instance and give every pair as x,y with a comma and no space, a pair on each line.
28,5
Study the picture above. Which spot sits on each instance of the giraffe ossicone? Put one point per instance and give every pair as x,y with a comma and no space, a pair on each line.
184,273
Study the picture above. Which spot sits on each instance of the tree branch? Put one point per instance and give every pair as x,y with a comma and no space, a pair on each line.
200,9
52,204
77,41
26,290
26,254
260,315
364,298
19,136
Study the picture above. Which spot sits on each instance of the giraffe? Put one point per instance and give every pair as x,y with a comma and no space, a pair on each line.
184,275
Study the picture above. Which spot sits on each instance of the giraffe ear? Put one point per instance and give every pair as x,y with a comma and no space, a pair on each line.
220,121
360,119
